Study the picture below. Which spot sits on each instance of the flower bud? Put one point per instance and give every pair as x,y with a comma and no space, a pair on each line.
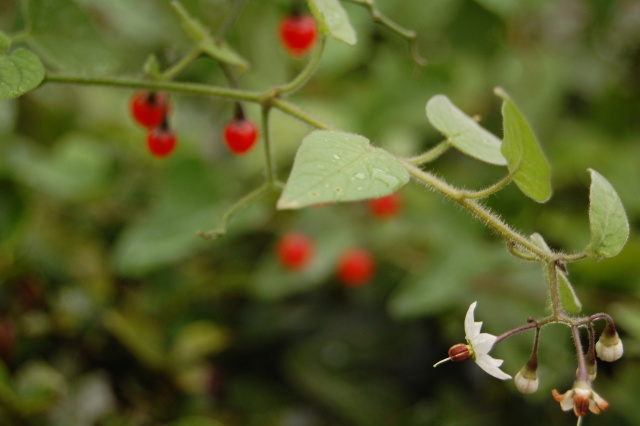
609,346
459,352
526,380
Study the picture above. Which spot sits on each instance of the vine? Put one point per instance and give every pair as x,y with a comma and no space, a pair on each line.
352,169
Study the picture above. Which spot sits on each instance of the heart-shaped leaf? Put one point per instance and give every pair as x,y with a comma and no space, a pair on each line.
20,72
336,166
463,132
522,151
607,218
333,20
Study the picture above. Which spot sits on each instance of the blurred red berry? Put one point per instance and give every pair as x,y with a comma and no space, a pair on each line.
356,267
386,207
240,135
7,338
295,250
298,33
161,141
149,108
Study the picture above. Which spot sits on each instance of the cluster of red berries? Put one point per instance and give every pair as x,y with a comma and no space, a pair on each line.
356,266
151,110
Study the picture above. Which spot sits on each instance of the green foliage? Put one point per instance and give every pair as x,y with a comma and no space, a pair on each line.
64,36
333,20
609,224
524,157
334,166
218,49
463,132
113,311
20,72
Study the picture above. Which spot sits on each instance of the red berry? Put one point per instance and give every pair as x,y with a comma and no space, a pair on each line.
240,135
295,250
298,34
356,267
161,141
386,207
149,108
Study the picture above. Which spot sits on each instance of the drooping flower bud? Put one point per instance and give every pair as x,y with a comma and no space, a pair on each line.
526,380
609,346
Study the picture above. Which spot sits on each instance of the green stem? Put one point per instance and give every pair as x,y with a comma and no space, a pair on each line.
168,86
483,193
268,150
182,64
296,112
554,294
221,229
582,374
307,72
479,211
379,17
431,154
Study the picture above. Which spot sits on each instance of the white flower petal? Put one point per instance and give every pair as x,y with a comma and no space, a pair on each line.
471,328
483,342
490,365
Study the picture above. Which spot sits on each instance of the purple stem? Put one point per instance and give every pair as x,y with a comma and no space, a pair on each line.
515,331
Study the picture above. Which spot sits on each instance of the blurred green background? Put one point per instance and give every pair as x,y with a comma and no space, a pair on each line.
113,311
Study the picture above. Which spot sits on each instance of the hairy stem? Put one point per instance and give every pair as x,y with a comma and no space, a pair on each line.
554,294
431,154
582,373
479,211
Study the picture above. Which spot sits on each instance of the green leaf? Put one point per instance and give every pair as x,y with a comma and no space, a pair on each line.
20,72
522,151
607,218
217,49
463,132
65,36
335,166
568,297
333,20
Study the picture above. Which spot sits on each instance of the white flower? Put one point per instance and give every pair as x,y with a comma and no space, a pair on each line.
581,398
480,345
609,348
